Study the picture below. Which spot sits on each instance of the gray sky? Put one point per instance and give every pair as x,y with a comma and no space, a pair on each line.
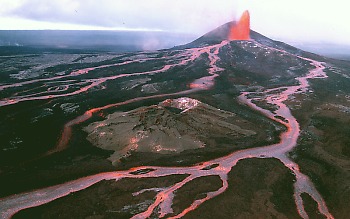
291,20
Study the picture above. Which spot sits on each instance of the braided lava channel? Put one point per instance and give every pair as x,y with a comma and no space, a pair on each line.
58,92
217,167
203,83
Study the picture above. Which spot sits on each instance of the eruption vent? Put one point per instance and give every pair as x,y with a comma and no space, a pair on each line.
241,30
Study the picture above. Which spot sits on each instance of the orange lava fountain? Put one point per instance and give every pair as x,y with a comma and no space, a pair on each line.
241,30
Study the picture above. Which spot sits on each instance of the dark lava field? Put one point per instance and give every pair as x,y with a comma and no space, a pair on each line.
211,129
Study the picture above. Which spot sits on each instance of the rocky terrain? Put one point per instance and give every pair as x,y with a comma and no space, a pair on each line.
172,126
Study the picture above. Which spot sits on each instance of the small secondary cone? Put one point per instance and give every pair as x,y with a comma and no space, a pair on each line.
241,30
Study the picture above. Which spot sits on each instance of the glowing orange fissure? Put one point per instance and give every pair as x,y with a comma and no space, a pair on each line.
241,29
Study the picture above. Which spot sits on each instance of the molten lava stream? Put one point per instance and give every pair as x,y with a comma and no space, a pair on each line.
220,167
203,83
193,53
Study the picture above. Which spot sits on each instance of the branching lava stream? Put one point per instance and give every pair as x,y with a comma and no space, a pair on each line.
219,167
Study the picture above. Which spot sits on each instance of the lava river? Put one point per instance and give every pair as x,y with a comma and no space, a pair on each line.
218,167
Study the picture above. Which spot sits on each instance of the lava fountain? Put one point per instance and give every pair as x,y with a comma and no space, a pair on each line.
240,30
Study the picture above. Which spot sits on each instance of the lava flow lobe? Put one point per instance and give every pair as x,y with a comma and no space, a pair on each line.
240,30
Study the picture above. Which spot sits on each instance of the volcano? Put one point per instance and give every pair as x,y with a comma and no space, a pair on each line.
233,123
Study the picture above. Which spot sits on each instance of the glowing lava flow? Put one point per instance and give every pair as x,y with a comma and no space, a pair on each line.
241,29
203,83
208,81
217,167
93,82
